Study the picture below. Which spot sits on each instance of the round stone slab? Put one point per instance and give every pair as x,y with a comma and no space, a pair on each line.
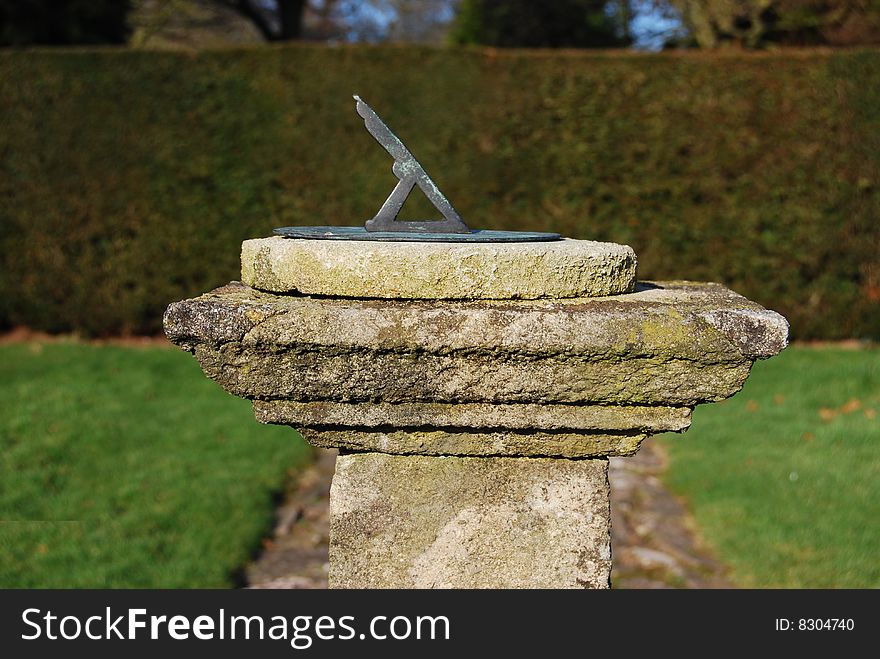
440,271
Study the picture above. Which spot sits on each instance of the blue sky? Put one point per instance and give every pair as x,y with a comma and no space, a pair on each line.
649,26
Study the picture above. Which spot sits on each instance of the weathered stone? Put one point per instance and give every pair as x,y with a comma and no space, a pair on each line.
755,333
418,388
328,414
438,271
664,320
651,347
420,377
449,522
467,443
569,431
191,322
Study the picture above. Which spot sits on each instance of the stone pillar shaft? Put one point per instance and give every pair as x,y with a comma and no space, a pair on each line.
452,522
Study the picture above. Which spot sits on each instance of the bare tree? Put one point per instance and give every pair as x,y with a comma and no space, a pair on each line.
197,23
277,20
757,23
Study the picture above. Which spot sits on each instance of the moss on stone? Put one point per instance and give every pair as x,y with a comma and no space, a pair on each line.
441,522
438,271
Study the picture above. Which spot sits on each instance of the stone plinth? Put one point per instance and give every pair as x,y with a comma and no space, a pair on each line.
573,378
438,271
474,432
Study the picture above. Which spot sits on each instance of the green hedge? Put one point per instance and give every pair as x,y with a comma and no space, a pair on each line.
128,179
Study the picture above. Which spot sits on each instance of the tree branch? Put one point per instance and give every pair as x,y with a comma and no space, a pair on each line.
255,16
290,15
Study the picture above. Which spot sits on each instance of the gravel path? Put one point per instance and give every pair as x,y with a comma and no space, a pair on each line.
653,540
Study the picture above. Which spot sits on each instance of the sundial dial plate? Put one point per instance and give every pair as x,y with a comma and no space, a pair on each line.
360,233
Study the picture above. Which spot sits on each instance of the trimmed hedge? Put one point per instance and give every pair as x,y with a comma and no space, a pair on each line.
128,179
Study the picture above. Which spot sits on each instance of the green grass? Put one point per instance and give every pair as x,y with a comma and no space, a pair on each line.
784,478
126,467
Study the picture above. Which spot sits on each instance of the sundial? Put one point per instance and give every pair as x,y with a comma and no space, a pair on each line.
385,225
461,373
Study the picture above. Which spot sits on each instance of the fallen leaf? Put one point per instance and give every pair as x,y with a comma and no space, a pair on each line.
752,406
827,413
779,399
870,413
851,406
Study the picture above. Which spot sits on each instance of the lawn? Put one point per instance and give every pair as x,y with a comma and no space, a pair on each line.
125,467
784,478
